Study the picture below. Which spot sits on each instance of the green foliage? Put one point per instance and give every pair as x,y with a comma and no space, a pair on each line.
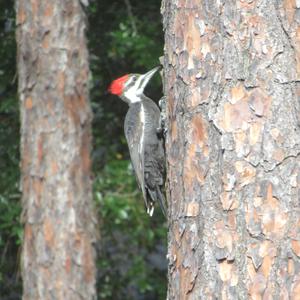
10,228
129,235
10,208
132,262
140,48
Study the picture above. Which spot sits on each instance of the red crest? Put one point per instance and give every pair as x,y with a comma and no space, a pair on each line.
116,87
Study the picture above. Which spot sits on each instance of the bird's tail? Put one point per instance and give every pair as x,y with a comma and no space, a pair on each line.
161,199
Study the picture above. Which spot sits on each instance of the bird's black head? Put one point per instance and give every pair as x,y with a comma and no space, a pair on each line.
130,87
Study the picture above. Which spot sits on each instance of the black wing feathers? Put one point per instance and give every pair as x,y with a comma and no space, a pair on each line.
146,151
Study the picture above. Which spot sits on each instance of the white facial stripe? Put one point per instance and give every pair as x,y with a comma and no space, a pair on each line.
136,90
144,83
140,90
132,95
129,81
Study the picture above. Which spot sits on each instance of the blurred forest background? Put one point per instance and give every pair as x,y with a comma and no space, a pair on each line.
124,36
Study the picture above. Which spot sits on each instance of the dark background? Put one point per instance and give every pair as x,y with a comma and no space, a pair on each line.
124,36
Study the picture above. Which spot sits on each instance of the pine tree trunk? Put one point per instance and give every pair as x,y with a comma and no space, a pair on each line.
58,255
232,71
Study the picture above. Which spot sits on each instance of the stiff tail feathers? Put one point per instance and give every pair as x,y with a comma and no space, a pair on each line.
156,195
161,200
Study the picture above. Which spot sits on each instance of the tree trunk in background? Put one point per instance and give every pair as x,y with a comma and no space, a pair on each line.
232,71
58,255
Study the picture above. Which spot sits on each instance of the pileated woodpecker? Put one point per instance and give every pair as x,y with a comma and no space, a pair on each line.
143,133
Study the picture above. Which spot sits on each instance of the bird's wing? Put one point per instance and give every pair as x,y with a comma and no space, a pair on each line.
134,130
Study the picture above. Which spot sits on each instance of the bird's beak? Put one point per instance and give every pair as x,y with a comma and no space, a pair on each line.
146,77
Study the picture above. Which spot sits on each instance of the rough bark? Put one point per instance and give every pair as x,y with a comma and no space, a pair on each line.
232,71
59,226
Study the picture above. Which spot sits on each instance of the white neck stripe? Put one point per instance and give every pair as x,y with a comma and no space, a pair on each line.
132,96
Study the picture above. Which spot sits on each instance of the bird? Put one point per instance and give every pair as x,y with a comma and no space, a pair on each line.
142,130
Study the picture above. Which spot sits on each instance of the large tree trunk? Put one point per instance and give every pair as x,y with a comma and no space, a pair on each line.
231,78
58,256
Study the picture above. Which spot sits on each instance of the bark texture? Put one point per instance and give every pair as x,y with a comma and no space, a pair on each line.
58,255
232,71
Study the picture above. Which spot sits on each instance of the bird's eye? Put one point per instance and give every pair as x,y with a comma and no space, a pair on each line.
134,79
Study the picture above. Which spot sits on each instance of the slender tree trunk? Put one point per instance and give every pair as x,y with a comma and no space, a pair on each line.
58,256
232,71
